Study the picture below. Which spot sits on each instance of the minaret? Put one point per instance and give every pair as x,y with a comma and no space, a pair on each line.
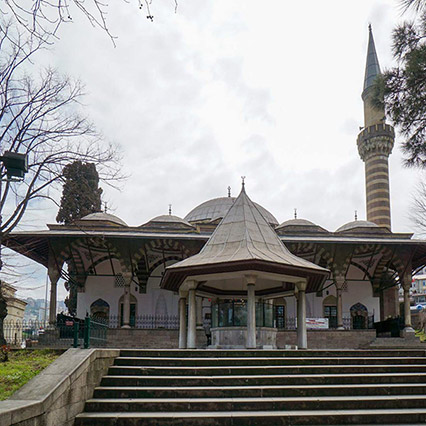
375,143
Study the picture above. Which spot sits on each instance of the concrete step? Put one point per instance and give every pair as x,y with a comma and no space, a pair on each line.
255,418
124,370
238,387
259,391
249,353
255,404
289,379
229,361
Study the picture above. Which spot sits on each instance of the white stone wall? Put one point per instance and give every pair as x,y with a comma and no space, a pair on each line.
154,302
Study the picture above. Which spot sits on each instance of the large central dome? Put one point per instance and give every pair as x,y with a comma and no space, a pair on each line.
217,208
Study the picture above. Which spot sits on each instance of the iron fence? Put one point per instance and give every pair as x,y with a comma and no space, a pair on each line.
96,334
169,322
65,333
35,333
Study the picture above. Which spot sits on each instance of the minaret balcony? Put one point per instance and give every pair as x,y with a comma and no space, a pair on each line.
377,139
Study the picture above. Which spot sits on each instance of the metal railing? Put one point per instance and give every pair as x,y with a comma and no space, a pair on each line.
24,333
169,322
65,333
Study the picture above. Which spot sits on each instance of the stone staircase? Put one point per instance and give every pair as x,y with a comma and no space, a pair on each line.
254,387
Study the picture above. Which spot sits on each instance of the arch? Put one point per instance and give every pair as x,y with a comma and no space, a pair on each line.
163,262
358,307
100,309
330,301
359,316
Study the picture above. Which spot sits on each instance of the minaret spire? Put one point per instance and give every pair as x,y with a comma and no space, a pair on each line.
375,143
372,67
372,114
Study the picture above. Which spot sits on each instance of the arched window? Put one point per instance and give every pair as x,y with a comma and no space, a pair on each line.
330,310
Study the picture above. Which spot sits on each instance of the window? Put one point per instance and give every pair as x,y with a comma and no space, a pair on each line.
330,312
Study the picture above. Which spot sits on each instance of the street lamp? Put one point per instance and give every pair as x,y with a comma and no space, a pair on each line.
16,166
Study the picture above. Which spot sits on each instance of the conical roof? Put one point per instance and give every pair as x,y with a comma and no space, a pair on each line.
243,238
372,68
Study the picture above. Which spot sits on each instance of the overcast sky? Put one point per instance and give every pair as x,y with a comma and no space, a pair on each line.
265,89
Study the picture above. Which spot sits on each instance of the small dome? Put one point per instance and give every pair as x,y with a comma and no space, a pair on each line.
104,217
297,222
167,221
217,208
299,226
357,224
169,218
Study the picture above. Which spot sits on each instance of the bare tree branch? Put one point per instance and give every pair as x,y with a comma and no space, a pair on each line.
43,18
418,210
40,117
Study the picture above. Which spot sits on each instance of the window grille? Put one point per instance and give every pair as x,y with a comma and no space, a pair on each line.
119,281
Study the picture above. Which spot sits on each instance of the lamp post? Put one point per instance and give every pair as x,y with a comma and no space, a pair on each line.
16,165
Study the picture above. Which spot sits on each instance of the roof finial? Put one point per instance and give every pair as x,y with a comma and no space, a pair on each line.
369,27
170,209
106,207
229,191
243,179
356,215
295,213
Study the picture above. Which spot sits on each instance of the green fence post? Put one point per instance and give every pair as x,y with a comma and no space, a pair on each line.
86,332
76,329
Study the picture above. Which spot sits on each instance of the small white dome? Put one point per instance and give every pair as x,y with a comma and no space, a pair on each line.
357,224
299,226
104,217
169,218
297,222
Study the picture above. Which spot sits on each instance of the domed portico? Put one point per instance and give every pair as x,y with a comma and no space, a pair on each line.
243,260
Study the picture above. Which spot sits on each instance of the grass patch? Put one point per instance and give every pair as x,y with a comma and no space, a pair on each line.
22,366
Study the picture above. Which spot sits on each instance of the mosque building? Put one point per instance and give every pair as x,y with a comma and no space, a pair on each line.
229,267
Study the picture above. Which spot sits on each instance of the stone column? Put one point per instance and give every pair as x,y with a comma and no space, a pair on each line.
54,267
302,335
126,300
53,296
182,322
54,275
192,317
199,301
406,285
251,312
339,281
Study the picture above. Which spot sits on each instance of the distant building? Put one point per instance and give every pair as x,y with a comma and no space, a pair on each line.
12,324
15,306
419,284
35,309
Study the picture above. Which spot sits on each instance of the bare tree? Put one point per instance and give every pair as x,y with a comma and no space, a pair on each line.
39,117
418,210
44,17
